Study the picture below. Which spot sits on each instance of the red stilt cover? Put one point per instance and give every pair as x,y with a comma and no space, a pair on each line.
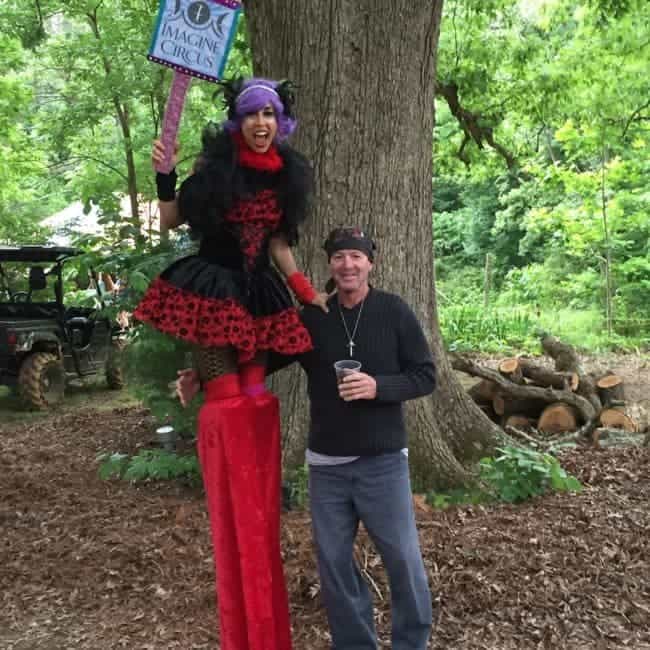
239,450
269,455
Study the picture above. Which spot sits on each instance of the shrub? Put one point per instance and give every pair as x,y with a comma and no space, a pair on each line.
297,487
515,475
154,464
519,474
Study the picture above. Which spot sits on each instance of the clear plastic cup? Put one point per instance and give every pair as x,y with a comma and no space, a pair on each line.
346,367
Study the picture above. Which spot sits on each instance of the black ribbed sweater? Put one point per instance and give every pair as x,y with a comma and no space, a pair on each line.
392,348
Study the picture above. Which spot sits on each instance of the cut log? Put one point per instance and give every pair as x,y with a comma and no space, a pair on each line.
610,390
558,418
530,406
545,377
511,369
610,381
601,433
518,421
483,392
615,419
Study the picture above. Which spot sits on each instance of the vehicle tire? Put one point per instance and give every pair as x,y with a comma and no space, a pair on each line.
41,380
114,373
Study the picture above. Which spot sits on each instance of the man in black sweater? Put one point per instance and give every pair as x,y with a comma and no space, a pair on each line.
357,450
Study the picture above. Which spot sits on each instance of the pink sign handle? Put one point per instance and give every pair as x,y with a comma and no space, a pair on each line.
173,111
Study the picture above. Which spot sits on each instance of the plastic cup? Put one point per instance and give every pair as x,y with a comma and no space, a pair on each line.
345,368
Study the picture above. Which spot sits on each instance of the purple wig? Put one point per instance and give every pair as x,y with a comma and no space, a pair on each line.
254,95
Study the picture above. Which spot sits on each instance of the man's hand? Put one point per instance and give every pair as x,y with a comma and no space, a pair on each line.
188,385
321,301
357,385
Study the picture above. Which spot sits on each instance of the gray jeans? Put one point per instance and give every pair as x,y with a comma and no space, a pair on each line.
375,490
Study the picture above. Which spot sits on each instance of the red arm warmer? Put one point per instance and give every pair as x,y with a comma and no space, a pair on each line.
302,287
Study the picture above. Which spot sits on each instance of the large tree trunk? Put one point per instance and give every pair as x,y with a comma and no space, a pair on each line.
366,71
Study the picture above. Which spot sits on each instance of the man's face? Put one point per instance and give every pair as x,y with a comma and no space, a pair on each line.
350,269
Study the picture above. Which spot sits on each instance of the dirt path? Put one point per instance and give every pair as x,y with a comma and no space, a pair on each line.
88,564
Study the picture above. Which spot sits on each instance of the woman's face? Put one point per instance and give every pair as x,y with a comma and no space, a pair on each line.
259,129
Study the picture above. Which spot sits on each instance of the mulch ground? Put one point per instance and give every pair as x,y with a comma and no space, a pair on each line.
86,563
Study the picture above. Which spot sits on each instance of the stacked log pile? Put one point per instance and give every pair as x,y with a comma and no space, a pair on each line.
533,401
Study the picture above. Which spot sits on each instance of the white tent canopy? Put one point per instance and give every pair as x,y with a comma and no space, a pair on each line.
72,220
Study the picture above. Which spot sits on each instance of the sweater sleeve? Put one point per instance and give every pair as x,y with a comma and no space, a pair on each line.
418,372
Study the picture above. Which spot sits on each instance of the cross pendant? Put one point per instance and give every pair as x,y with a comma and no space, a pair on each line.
351,348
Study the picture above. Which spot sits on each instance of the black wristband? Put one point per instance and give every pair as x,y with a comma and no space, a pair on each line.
166,185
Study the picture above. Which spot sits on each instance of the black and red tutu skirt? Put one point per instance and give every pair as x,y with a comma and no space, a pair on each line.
215,306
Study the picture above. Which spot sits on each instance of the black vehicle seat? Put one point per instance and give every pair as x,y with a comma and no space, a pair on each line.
80,329
37,280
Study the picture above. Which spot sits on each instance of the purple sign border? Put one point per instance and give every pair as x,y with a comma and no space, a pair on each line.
184,70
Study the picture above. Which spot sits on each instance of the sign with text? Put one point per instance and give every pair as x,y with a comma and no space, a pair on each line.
195,36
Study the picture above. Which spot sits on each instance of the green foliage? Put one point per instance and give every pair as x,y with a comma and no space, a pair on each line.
564,92
80,105
457,497
151,361
26,188
466,326
112,465
519,474
297,482
559,88
149,464
516,475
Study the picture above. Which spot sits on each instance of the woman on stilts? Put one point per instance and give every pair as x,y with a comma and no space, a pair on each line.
246,198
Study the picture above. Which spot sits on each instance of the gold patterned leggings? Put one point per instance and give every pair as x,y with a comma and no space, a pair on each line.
215,362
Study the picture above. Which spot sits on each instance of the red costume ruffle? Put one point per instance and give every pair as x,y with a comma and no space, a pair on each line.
210,322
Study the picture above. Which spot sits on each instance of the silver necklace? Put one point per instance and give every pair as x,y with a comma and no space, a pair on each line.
351,343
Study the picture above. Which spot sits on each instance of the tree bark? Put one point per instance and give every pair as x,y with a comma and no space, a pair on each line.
366,72
483,392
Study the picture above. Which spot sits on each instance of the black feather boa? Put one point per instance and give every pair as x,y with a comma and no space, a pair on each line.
219,181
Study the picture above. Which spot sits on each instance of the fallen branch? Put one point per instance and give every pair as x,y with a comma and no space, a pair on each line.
567,360
545,443
545,377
